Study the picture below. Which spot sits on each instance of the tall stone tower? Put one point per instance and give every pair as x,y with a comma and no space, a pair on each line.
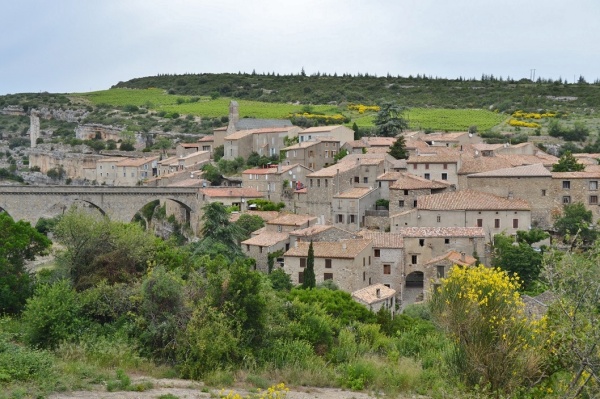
234,112
34,128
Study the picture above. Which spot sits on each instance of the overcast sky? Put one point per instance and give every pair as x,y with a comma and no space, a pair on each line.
85,45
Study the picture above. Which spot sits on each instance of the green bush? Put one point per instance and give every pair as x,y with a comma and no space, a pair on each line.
22,364
52,315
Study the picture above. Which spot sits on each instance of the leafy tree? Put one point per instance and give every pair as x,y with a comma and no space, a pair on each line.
96,145
219,235
390,121
97,249
517,257
574,319
249,223
398,149
341,154
309,272
253,159
280,280
567,163
219,152
212,174
163,144
126,146
575,223
18,242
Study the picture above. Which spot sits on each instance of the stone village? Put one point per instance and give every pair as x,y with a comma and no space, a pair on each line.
383,229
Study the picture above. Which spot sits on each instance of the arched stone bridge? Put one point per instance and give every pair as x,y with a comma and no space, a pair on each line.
31,203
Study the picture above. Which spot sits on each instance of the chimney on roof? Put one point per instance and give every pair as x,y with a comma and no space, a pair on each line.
278,168
510,195
378,292
463,257
344,246
295,244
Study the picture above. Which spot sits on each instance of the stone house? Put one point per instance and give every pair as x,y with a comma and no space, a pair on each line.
350,172
118,171
315,154
350,206
207,143
186,162
76,166
288,222
375,297
405,190
572,187
346,262
443,166
369,144
532,183
320,232
451,140
388,259
478,164
266,141
467,208
339,132
187,148
438,268
261,245
278,182
422,244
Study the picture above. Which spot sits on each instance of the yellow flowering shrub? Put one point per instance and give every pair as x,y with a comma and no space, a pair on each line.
496,344
516,122
361,108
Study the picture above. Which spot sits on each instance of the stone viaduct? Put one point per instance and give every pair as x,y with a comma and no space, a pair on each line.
30,203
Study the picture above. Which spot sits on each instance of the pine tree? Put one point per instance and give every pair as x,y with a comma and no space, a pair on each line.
309,273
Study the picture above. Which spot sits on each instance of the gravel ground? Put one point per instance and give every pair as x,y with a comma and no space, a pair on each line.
185,389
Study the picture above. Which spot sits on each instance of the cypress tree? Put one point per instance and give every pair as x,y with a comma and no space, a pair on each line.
309,273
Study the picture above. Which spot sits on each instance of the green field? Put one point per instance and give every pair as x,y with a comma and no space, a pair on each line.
445,119
159,100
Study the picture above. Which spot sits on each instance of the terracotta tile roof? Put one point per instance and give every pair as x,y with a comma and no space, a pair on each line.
454,257
136,161
190,145
188,183
487,147
390,176
378,150
110,159
537,170
383,240
343,249
267,239
350,162
269,171
231,192
264,215
435,158
291,219
312,230
414,144
575,175
592,168
206,139
356,144
469,200
239,134
448,136
421,232
355,192
482,164
302,145
412,182
381,141
368,295
317,129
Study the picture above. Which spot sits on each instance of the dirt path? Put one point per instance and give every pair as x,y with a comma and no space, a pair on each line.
185,389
